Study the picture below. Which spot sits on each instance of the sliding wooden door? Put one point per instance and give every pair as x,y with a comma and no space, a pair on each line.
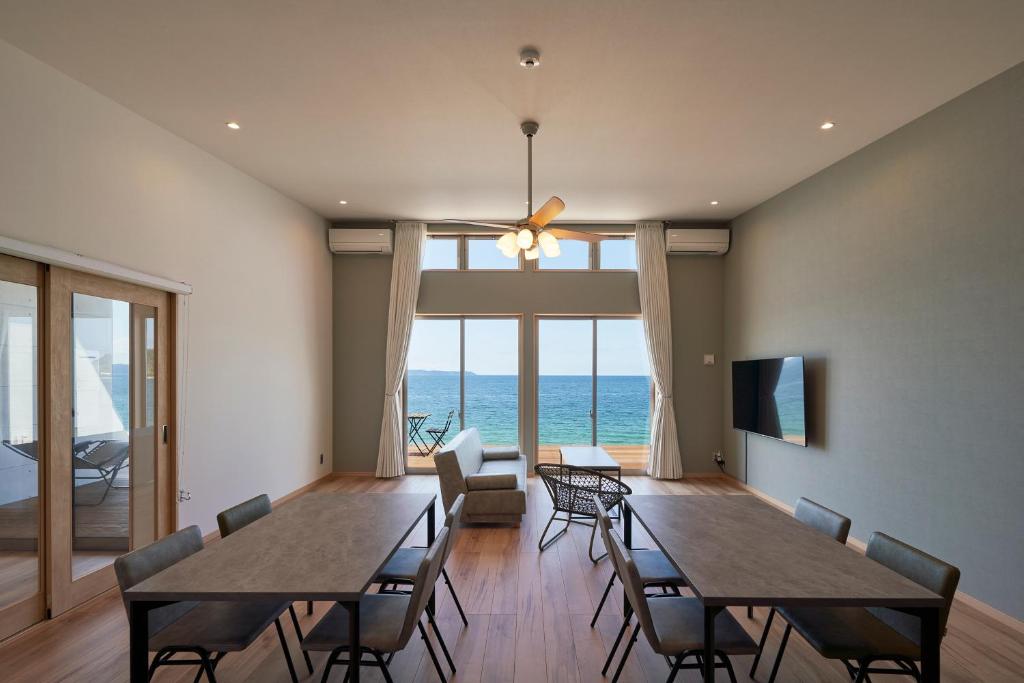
110,475
22,579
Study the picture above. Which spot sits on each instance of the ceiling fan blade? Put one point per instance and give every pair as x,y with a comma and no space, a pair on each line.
547,213
563,234
483,225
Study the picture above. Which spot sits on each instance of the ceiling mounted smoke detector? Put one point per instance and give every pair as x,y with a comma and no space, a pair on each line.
529,58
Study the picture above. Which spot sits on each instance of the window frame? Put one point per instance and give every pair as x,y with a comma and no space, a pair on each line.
465,239
614,238
458,253
520,365
593,318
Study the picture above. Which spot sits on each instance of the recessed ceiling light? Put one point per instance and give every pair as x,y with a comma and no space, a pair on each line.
828,125
342,201
714,202
233,125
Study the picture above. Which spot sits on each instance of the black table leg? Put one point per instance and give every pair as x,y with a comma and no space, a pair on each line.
138,638
930,645
627,526
709,642
430,541
355,654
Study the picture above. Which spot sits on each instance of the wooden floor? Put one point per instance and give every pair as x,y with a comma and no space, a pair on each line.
529,618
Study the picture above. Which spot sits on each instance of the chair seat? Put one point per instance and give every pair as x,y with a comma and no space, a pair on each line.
381,618
679,623
654,567
848,633
219,626
402,566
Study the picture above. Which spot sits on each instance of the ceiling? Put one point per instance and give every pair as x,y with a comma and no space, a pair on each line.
411,108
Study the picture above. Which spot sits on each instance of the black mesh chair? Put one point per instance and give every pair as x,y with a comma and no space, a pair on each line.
572,491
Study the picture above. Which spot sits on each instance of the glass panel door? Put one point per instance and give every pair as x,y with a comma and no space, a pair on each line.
21,601
492,379
433,387
109,448
623,391
565,385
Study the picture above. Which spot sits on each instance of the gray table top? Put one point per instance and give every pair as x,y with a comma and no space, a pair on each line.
738,550
322,546
591,457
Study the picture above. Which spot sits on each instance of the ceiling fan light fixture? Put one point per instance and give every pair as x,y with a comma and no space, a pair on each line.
549,244
525,239
532,254
507,245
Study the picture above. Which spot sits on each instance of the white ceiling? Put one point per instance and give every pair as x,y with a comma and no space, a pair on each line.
411,109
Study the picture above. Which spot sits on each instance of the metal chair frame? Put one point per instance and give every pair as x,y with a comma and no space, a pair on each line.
572,490
438,433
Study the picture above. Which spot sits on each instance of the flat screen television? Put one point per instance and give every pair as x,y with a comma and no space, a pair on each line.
768,398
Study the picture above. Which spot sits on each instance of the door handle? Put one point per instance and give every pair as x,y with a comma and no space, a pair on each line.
166,434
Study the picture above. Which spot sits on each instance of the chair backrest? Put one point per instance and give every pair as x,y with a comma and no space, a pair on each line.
461,456
625,569
826,521
451,522
243,514
921,568
571,488
423,588
138,565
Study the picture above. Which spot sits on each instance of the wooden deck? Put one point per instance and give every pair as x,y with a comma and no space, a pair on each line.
529,619
632,458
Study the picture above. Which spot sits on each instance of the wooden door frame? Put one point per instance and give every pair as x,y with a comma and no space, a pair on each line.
32,609
60,284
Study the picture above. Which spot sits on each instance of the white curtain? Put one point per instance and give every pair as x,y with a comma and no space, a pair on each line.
405,287
652,274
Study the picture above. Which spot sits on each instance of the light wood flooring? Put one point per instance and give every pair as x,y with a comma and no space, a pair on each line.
529,618
632,458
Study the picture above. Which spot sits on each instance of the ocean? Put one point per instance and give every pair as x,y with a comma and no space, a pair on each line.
563,406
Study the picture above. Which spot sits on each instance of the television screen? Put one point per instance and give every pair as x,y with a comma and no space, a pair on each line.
768,398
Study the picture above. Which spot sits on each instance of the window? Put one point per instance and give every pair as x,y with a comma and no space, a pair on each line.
593,388
463,372
617,254
441,253
482,254
575,256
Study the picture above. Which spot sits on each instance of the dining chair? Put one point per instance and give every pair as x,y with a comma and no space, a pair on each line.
862,636
207,629
238,516
821,518
386,620
653,566
402,567
572,490
672,624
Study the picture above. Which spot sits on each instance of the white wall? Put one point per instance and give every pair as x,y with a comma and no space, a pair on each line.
82,173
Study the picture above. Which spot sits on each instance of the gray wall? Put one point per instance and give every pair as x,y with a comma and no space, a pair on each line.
900,272
360,327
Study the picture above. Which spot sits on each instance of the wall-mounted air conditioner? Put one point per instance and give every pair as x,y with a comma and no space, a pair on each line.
359,240
706,241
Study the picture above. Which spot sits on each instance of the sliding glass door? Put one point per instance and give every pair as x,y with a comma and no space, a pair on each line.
22,582
109,436
593,388
463,372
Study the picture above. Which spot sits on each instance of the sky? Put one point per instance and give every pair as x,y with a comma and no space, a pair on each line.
565,347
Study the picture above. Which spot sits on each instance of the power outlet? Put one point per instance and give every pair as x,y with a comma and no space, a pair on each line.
184,495
718,458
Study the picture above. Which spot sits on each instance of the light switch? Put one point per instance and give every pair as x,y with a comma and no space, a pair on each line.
709,359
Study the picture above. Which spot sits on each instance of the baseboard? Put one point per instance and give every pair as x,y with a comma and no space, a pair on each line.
968,601
338,475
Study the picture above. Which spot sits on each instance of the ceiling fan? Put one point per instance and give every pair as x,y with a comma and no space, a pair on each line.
531,235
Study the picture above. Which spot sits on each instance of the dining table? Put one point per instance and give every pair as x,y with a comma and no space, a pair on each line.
737,550
321,546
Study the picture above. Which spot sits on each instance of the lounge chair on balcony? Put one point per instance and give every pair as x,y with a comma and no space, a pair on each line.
438,433
106,456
